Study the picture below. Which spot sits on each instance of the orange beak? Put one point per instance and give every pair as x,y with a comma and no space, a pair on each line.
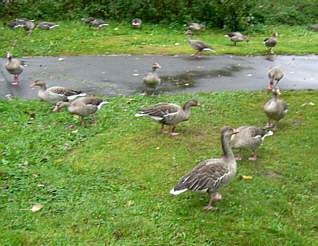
270,87
235,131
198,105
278,92
32,85
55,108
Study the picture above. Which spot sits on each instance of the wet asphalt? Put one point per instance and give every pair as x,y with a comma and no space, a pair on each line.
113,75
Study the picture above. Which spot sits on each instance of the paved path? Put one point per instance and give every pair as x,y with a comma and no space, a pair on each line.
122,74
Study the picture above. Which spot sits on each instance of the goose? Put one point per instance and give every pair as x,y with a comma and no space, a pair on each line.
98,23
13,24
314,27
83,106
249,137
46,25
152,80
15,67
136,23
236,37
274,74
213,174
275,109
55,94
87,20
169,114
195,26
28,27
198,45
22,20
271,42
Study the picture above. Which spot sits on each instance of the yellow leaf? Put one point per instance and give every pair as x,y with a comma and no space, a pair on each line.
247,177
130,203
75,131
36,207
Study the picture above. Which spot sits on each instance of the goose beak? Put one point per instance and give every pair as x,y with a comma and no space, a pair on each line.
278,92
198,105
32,85
269,87
158,66
235,131
55,108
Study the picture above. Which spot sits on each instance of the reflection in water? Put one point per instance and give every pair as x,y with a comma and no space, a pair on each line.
189,78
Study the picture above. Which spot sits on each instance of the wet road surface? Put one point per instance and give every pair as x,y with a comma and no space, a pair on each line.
122,74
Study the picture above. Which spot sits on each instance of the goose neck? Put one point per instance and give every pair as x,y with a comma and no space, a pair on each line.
227,150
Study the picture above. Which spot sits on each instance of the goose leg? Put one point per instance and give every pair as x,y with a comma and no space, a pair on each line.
253,158
234,43
238,158
216,197
194,54
83,123
162,130
95,121
268,124
275,127
15,80
171,131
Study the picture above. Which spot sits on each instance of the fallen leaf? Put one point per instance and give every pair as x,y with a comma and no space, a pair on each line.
11,199
130,203
75,131
26,163
311,103
158,148
35,175
61,59
40,185
176,44
116,28
247,177
66,145
36,207
135,74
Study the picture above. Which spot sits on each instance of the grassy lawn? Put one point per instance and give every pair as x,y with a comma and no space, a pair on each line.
109,185
77,38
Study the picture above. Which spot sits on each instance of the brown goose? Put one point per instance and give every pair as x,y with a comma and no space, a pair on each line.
195,26
249,137
46,25
169,114
15,67
55,94
87,20
98,23
271,42
275,109
28,27
213,174
136,23
198,45
152,79
236,37
274,74
83,106
13,24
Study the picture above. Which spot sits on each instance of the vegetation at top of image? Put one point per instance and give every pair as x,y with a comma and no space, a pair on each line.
62,184
236,15
77,38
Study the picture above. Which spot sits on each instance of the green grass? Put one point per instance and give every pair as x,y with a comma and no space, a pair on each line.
75,38
109,185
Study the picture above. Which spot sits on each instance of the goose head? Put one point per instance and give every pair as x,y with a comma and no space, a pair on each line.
189,33
276,91
155,66
60,105
191,103
8,55
38,83
275,34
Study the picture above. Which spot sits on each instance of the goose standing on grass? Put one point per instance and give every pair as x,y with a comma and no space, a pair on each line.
213,174
98,23
28,27
249,137
13,24
169,114
274,74
198,45
46,25
271,42
275,109
84,106
136,23
195,26
55,94
15,67
152,80
236,37
87,20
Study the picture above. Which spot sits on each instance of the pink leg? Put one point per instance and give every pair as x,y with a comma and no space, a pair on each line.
144,93
95,121
162,130
238,158
275,127
171,131
15,80
153,94
216,197
83,123
253,158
